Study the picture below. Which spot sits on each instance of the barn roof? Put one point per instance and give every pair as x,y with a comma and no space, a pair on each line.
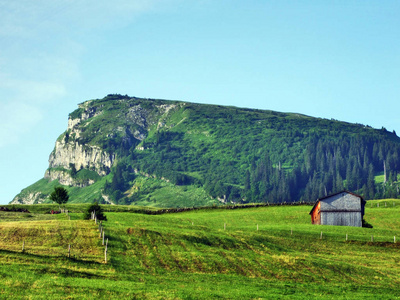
331,195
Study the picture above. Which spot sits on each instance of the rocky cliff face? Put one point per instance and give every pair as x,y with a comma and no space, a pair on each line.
70,156
29,198
96,131
73,154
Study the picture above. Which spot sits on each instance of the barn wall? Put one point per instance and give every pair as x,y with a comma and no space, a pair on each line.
315,215
341,218
341,202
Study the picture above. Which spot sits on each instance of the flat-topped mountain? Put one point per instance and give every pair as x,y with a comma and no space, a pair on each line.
127,150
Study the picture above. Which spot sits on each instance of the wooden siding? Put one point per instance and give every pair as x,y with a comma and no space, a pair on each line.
315,214
342,209
341,202
341,218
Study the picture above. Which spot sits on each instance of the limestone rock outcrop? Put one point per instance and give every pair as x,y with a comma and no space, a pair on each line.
66,155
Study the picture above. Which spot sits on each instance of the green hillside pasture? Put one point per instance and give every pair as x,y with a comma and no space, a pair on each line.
379,178
87,194
154,192
50,236
214,253
183,249
43,270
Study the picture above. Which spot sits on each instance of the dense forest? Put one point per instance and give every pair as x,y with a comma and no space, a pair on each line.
232,154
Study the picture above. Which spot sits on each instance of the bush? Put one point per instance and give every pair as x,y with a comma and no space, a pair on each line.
95,207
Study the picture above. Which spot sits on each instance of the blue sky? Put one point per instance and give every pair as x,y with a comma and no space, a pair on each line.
329,59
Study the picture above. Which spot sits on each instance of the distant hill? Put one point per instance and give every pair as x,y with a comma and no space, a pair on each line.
128,150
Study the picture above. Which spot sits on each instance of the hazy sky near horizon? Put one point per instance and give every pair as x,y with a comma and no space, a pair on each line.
328,59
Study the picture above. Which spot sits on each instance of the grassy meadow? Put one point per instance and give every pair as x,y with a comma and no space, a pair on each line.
250,253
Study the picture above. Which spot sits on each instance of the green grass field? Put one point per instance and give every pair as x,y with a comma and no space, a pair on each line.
200,254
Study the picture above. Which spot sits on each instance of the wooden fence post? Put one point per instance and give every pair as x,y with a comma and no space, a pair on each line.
105,255
23,246
69,250
394,239
346,237
372,238
321,236
224,226
103,238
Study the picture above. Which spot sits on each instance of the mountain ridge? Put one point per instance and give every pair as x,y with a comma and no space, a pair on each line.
131,150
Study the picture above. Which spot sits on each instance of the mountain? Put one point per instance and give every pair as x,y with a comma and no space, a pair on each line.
127,150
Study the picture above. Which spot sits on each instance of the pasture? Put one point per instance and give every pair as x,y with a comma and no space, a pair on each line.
250,253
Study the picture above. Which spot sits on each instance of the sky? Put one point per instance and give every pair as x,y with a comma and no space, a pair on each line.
335,59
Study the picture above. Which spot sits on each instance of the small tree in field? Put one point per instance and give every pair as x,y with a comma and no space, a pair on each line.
98,210
59,195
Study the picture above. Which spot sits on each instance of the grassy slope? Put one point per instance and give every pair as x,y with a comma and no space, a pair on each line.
190,255
88,194
155,193
159,193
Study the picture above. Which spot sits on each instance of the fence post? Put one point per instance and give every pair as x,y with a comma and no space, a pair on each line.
372,238
23,246
105,255
224,226
394,239
321,236
103,238
346,237
69,250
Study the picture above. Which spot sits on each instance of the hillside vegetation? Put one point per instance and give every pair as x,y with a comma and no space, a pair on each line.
199,254
163,153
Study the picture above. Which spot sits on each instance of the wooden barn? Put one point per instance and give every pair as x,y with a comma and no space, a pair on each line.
343,209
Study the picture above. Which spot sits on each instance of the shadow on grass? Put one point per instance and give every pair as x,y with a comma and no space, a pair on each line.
62,266
49,259
377,244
